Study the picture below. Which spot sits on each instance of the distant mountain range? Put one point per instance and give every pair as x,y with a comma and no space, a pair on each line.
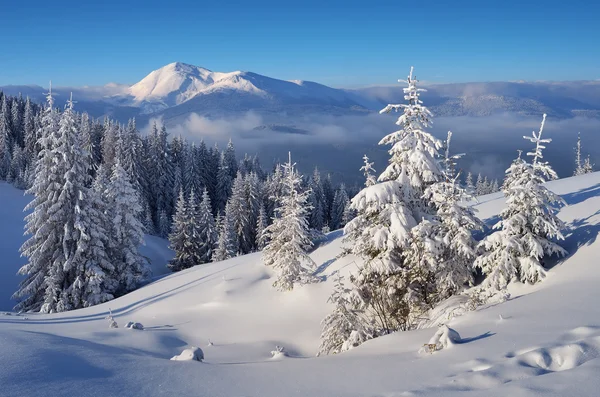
177,90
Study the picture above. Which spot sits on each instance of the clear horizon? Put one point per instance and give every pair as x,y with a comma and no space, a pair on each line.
339,44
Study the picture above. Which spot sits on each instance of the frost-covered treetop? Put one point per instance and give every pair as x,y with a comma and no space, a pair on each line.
542,169
414,152
537,139
369,171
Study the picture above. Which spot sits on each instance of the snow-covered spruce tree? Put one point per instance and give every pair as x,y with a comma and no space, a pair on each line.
479,186
388,288
207,231
469,184
126,231
340,201
109,143
180,238
453,231
227,244
238,210
288,235
317,201
32,290
369,172
588,167
5,139
261,224
527,226
578,164
66,225
224,184
585,166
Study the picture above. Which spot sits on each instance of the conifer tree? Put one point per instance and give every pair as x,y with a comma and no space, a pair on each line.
528,224
126,231
206,228
180,237
65,223
368,171
288,234
227,245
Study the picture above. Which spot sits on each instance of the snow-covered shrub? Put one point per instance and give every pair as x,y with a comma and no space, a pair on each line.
111,321
444,338
134,325
191,354
279,352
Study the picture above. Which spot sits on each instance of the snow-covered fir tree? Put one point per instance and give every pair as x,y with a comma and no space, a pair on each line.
453,231
369,172
585,166
469,184
261,224
5,138
317,201
182,238
340,203
126,231
389,288
32,290
68,266
227,244
528,224
207,230
288,235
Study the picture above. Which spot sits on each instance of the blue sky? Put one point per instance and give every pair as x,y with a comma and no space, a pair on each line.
342,44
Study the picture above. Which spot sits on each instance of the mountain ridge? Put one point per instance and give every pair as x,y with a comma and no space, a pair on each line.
177,90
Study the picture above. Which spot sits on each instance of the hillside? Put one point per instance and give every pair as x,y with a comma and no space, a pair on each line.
544,341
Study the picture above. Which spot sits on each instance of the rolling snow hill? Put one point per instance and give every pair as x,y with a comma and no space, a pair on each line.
544,341
177,90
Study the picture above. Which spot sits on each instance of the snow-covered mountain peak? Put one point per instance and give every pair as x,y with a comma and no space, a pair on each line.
178,82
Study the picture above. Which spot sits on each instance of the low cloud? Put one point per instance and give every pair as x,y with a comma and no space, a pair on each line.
336,143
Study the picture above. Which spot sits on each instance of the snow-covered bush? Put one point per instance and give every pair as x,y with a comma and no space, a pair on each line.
191,354
111,321
134,325
444,338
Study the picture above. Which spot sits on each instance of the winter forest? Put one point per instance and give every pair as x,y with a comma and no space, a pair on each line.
99,186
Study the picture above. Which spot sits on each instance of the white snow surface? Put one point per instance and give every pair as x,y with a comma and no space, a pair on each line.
543,341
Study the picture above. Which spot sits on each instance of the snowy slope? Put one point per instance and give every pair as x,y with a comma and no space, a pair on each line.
544,341
12,227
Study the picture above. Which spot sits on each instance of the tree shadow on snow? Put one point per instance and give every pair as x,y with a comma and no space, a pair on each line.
322,268
580,233
582,195
478,337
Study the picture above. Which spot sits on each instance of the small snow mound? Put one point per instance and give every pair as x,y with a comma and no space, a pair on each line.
134,325
444,338
191,354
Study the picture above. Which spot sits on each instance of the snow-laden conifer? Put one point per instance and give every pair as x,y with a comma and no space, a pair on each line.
207,230
227,244
126,231
288,235
67,249
528,225
369,172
